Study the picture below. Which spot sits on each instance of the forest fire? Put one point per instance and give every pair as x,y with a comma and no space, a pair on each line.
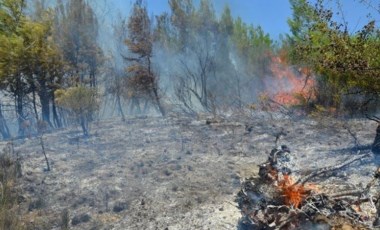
287,85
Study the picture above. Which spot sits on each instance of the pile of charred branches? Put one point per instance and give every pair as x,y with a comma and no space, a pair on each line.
278,200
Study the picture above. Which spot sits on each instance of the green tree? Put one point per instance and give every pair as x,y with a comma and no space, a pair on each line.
77,32
11,14
30,61
163,33
226,22
182,18
44,63
253,45
12,49
205,20
344,63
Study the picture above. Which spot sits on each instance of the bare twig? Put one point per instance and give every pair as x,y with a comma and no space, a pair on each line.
328,169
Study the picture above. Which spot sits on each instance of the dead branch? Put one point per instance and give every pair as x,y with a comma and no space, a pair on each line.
353,135
355,192
43,151
279,134
329,169
373,118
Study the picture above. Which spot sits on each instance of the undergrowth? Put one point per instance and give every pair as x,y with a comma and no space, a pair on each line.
10,171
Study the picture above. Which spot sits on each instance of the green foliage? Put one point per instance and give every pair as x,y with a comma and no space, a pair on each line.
30,60
182,17
163,32
11,49
81,101
254,45
11,42
76,31
345,63
226,23
205,20
11,13
188,25
38,50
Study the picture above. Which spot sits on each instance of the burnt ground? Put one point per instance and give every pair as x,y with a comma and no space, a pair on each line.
175,172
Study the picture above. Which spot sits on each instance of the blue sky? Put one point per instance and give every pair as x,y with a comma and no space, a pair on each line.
271,15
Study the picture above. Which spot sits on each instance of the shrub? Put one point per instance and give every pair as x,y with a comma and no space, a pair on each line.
82,102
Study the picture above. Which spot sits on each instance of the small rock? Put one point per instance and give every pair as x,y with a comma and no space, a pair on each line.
175,188
36,204
167,172
21,199
81,218
120,206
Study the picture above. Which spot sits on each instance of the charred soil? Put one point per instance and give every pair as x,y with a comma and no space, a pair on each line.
174,172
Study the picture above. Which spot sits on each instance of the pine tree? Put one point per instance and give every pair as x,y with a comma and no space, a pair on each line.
182,18
77,31
142,82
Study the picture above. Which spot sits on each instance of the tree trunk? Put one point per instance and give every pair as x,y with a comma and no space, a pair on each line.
157,98
84,125
34,104
4,130
120,107
92,79
56,118
45,102
376,142
20,114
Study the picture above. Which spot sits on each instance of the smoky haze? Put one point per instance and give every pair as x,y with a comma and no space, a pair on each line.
203,64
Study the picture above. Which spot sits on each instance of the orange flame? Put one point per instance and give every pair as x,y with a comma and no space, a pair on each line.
289,86
293,194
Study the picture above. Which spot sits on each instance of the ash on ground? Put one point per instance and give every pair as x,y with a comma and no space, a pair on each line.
174,172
